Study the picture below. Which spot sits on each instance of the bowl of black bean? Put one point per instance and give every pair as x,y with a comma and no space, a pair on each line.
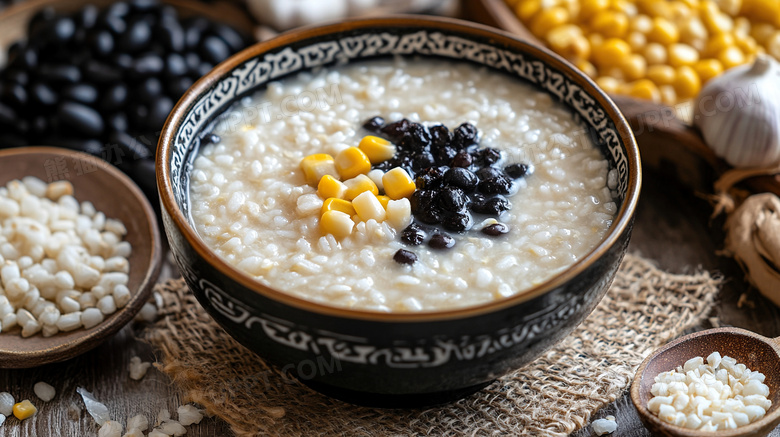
100,77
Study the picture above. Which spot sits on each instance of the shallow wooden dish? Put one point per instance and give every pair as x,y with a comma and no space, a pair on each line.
758,353
118,197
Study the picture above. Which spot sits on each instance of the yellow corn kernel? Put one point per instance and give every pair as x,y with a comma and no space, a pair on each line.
668,95
679,12
358,185
655,53
384,200
762,10
693,4
589,8
586,67
351,162
682,54
634,67
318,165
377,149
747,44
715,20
337,223
331,187
694,33
654,8
368,207
637,41
595,40
661,74
548,19
641,23
643,89
762,32
568,41
611,24
731,57
610,85
718,43
526,9
611,53
398,184
333,204
663,32
730,7
686,83
24,409
706,69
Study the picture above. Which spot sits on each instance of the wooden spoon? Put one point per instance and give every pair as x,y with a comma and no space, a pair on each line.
758,353
118,197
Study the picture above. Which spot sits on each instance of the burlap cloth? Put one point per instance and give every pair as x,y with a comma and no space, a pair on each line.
554,395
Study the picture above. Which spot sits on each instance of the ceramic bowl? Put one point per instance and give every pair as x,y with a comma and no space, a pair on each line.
118,197
395,359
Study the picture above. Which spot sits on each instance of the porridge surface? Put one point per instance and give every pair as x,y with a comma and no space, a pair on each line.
245,190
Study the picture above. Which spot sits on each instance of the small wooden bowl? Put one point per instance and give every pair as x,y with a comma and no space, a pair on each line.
758,353
118,197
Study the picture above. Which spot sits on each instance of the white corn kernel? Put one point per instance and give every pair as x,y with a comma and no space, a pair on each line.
139,422
6,404
137,368
189,415
91,317
44,391
106,305
399,213
368,207
69,322
121,295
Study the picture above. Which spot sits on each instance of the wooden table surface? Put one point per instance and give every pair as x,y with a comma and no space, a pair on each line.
671,227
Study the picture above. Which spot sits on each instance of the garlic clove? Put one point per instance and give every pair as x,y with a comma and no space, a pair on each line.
738,114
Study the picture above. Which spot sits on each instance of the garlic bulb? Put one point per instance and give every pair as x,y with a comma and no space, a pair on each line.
738,114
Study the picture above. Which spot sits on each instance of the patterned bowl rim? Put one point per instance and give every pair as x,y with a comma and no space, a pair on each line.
463,28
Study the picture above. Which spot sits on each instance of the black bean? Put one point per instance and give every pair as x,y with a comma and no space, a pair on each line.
81,118
211,139
374,124
422,199
395,131
441,241
495,229
440,135
114,97
138,114
194,29
158,112
175,65
516,171
41,19
444,155
203,69
118,9
17,76
492,206
148,65
44,95
461,178
16,95
497,185
429,178
82,93
403,256
99,72
40,125
63,29
193,61
419,134
451,198
117,121
87,16
413,235
147,90
136,37
465,135
145,5
489,156
59,73
178,86
7,115
115,24
233,39
171,35
129,148
422,160
462,159
489,173
458,221
123,60
28,58
214,49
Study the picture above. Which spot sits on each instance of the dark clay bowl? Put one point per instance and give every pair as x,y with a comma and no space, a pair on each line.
756,352
396,359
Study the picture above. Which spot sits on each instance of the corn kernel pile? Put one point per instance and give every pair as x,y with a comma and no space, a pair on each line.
659,50
350,196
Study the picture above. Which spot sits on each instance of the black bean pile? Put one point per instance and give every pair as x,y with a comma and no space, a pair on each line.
456,179
103,81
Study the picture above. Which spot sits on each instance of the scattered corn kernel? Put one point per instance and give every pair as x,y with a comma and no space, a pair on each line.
384,200
368,207
331,187
611,24
663,31
682,54
399,213
340,205
686,83
661,74
351,162
358,185
644,89
611,52
337,223
731,57
634,67
655,54
548,19
568,41
377,149
718,43
398,184
707,69
318,165
24,410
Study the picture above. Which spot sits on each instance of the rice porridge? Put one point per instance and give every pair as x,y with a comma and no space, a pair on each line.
256,199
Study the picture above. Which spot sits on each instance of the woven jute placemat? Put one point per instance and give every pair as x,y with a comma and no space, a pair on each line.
554,395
